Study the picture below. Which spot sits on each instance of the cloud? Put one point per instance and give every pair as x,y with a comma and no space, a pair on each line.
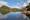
6,3
18,5
3,3
28,1
25,4
15,6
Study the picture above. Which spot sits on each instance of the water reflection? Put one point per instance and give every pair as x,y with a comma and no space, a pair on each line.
13,13
5,16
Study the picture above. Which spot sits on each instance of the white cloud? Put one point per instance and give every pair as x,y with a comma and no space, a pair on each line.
24,5
16,6
3,3
28,1
21,6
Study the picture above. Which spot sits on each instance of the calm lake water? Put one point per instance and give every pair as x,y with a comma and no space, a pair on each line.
5,16
13,13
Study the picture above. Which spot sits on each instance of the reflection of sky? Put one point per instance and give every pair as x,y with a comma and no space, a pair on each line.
14,2
13,13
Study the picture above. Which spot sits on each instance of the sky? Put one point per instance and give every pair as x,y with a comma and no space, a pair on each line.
15,3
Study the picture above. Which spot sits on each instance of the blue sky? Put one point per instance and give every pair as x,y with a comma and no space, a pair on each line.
15,3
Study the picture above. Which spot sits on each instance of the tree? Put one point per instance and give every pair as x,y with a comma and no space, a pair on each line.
28,6
4,9
19,10
13,10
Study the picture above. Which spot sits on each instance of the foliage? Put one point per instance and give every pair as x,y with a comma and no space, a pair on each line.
14,10
4,9
19,10
28,6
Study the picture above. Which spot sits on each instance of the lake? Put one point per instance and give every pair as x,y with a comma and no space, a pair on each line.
5,16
